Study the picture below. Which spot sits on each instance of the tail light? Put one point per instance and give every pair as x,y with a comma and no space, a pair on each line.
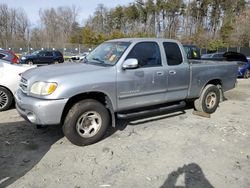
15,60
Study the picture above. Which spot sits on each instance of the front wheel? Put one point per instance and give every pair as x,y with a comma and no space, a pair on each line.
86,122
209,99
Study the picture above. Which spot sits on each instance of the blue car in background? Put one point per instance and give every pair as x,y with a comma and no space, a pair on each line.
244,69
242,61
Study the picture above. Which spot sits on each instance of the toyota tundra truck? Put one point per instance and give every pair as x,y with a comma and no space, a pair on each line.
122,78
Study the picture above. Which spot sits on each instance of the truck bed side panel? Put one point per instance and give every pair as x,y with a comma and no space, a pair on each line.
203,72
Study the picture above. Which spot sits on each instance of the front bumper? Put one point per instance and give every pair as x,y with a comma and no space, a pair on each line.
39,111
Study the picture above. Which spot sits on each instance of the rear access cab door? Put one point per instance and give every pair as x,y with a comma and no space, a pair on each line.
178,71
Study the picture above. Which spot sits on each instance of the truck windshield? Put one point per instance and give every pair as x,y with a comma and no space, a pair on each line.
107,53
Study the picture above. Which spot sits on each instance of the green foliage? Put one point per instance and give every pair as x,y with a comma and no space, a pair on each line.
206,23
225,32
116,35
76,35
199,38
215,44
88,36
131,13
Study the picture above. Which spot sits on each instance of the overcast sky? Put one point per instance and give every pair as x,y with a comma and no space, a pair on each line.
86,7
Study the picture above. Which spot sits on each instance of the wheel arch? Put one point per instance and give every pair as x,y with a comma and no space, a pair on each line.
217,82
7,89
96,95
27,60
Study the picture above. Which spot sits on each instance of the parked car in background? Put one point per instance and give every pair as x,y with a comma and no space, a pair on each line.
244,69
79,57
43,57
8,55
192,51
217,56
10,75
241,59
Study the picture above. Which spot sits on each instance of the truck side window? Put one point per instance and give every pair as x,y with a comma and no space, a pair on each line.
173,53
147,53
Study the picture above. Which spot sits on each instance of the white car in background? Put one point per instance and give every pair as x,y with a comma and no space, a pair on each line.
9,81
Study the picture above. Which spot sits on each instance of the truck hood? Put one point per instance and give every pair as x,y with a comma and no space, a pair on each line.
58,70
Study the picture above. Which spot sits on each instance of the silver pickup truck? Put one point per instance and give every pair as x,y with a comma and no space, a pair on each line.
121,78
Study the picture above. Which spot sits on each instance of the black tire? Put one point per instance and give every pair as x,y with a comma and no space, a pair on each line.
41,126
209,99
6,99
29,62
247,74
76,114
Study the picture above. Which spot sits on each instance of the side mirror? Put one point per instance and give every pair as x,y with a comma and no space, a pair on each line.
130,64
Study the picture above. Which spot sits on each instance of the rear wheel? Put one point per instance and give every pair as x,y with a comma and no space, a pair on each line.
247,74
209,99
86,122
29,62
6,99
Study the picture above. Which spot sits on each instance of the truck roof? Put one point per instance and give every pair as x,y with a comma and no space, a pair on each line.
143,40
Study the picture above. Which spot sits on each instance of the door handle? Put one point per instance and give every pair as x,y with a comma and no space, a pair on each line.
173,72
160,73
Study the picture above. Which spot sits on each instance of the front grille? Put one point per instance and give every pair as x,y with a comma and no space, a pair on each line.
23,85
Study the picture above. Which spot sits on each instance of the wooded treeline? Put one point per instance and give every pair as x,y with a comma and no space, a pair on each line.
208,23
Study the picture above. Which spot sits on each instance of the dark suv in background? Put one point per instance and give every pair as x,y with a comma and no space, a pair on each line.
43,57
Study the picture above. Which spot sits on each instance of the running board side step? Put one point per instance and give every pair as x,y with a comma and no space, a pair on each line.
151,111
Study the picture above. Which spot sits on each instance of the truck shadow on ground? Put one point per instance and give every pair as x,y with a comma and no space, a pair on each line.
193,178
22,147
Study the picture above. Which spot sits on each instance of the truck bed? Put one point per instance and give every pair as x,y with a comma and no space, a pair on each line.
223,71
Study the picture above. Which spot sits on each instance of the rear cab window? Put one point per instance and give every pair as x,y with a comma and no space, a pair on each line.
173,53
147,53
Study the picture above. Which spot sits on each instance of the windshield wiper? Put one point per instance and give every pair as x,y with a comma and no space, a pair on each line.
99,60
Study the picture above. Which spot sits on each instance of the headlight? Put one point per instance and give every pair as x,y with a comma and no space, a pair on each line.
23,58
43,88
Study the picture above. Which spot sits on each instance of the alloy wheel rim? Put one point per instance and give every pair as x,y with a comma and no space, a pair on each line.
211,100
88,124
3,99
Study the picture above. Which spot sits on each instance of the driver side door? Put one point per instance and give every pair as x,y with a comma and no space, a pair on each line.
146,84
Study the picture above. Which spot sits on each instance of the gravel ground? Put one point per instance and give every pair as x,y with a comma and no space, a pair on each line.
173,150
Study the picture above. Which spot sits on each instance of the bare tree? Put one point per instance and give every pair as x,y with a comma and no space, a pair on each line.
57,24
14,25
